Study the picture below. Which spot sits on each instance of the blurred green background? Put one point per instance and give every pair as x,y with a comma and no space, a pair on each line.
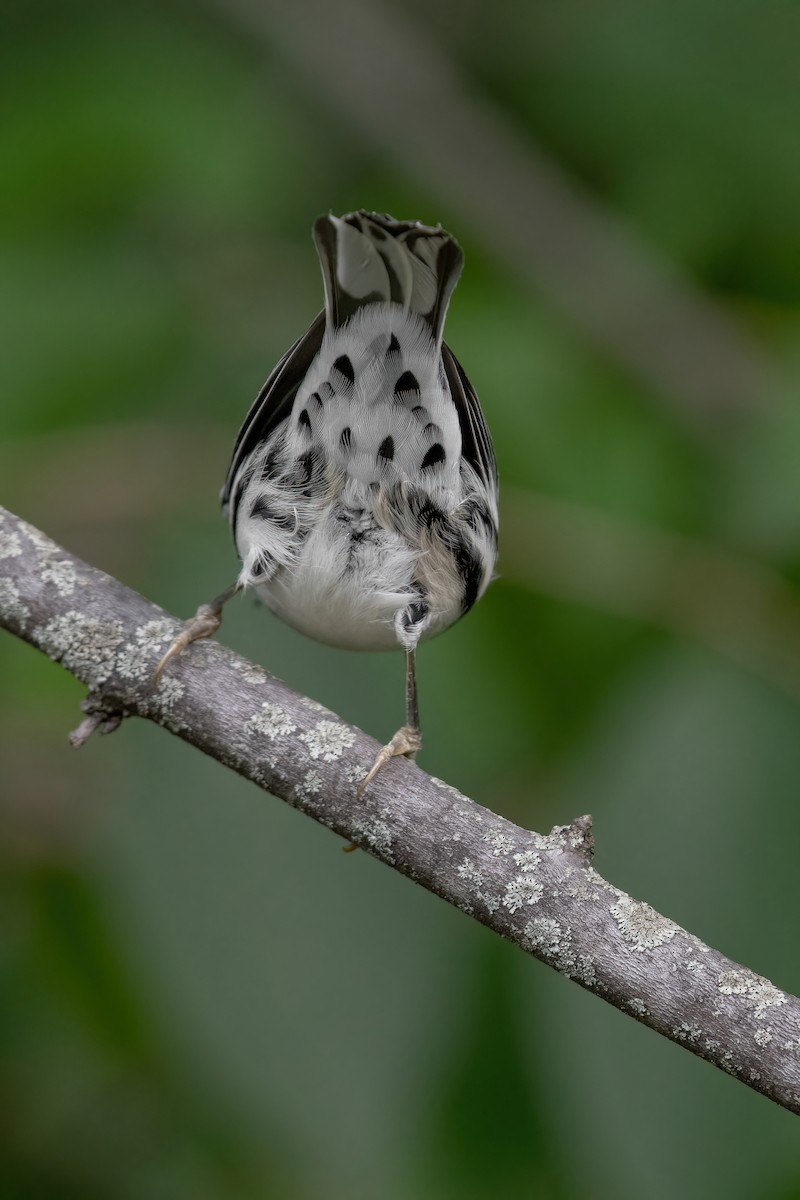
200,996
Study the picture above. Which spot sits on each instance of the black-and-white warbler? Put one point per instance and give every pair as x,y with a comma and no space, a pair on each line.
362,492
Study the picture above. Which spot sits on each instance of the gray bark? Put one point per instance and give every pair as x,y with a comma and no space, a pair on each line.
538,891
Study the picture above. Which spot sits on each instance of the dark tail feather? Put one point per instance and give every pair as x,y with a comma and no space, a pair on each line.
368,257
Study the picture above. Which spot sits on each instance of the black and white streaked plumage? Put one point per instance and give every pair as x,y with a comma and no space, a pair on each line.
363,490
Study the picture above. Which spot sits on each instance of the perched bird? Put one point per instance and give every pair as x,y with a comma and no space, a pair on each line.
362,492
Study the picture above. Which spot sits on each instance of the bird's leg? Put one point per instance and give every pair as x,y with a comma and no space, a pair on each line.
407,740
205,622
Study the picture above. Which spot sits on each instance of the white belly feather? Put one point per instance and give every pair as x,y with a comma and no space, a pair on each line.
343,592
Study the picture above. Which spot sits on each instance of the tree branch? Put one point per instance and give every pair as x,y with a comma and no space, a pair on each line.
538,891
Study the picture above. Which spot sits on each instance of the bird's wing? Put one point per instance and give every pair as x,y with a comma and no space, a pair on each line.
476,443
274,402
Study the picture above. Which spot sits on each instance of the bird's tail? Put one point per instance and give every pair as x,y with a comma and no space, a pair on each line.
370,257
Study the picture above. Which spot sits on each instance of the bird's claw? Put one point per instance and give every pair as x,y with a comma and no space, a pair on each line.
205,622
406,743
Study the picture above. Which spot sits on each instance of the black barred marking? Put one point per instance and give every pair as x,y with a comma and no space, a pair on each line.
420,412
302,470
393,347
386,449
307,462
304,420
274,460
346,438
415,614
470,569
325,392
359,533
397,291
478,517
315,398
262,509
347,515
261,566
432,430
238,492
433,456
429,514
406,383
469,563
345,367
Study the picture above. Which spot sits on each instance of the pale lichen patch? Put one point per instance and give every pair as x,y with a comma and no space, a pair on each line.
578,835
762,1037
549,841
552,942
154,635
474,876
55,568
309,786
687,1032
40,541
328,740
258,774
528,860
576,885
499,843
756,992
62,574
204,653
130,663
86,647
134,660
272,722
314,706
250,672
10,545
546,935
638,1007
12,604
523,890
169,691
641,925
470,872
377,835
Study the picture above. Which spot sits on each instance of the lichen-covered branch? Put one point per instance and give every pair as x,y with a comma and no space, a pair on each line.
538,891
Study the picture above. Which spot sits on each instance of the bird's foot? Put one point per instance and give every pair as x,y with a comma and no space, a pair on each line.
205,622
406,742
